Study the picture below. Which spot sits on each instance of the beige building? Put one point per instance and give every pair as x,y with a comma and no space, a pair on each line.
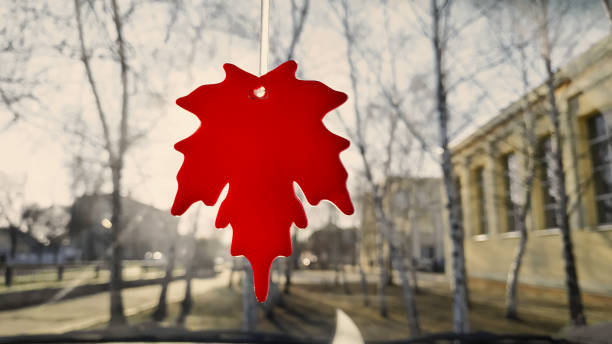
415,205
488,169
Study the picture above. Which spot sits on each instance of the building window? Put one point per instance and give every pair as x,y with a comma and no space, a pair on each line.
601,161
512,190
482,227
548,186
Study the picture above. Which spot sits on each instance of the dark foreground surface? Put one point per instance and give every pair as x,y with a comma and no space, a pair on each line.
178,335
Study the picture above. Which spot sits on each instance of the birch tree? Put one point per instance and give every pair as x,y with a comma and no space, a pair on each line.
439,14
540,36
396,101
385,226
547,44
362,276
161,311
520,210
190,267
101,42
511,31
116,148
249,303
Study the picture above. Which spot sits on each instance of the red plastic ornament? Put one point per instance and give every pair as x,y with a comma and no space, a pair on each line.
261,145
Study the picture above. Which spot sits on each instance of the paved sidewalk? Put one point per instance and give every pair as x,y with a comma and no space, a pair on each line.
82,312
594,334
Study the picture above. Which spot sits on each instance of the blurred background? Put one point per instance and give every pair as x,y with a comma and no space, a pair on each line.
480,167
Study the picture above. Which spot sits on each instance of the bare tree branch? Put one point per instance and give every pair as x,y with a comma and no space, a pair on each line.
92,83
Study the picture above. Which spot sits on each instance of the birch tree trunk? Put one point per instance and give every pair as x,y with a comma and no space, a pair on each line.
116,265
512,281
289,263
249,304
231,274
274,296
364,283
384,226
336,259
577,317
460,305
513,273
414,274
117,313
528,136
414,256
116,153
187,303
382,274
574,296
398,263
407,291
162,308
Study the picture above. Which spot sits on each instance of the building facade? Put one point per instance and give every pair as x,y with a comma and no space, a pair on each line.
489,168
330,247
414,205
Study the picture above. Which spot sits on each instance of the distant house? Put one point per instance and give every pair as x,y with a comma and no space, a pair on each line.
40,237
331,246
415,207
145,228
28,248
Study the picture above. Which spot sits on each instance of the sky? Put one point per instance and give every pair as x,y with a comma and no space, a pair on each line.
36,152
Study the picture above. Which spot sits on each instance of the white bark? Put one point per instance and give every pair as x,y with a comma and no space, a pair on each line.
384,225
290,262
274,296
382,274
364,284
249,303
513,274
397,260
115,156
460,304
574,295
521,219
162,306
528,137
187,303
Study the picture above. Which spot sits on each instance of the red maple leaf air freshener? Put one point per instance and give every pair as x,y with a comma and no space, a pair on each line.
261,146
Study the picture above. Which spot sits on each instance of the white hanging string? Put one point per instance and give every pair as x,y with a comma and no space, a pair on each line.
264,45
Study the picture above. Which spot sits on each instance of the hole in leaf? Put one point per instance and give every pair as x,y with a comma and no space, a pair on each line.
260,92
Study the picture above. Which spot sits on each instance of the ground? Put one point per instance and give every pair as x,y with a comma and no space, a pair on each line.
309,311
92,310
47,277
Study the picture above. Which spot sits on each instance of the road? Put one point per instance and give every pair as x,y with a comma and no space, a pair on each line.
82,312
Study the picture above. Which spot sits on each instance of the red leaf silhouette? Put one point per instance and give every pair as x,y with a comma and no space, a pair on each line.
261,146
